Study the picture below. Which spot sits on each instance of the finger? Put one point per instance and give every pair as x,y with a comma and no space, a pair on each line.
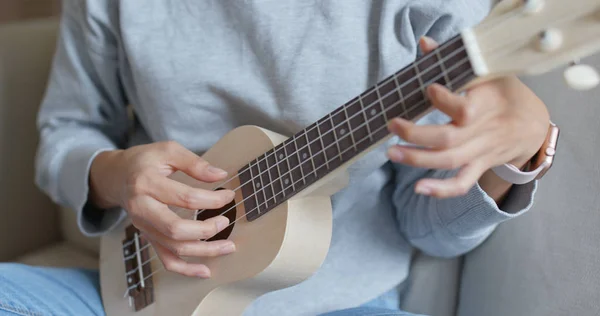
193,165
193,248
452,158
173,226
435,136
175,193
454,105
175,264
427,44
459,185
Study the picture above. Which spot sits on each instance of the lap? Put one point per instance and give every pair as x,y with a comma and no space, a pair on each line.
369,311
28,290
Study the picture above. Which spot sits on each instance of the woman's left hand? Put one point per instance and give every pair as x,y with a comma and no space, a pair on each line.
496,122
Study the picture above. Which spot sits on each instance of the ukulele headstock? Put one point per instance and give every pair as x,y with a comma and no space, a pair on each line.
535,36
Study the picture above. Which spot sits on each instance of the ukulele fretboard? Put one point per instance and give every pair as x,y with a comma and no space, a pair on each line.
349,130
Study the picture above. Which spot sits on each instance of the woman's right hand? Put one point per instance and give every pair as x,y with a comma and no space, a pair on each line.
136,179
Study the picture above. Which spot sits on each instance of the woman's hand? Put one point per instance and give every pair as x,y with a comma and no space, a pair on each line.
497,122
137,180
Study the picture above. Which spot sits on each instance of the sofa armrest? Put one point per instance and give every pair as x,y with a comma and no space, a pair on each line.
547,262
29,219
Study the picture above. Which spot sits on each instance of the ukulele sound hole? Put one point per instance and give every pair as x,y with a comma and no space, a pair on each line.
230,212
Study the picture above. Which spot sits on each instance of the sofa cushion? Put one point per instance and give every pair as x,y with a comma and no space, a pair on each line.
71,233
548,262
62,254
29,219
433,286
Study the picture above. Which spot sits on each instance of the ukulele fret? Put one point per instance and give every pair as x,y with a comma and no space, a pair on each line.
316,150
258,193
444,71
248,192
339,120
288,184
330,148
294,172
375,122
366,119
457,56
380,102
418,76
267,181
274,176
400,95
305,156
298,164
346,116
357,124
335,137
411,89
322,149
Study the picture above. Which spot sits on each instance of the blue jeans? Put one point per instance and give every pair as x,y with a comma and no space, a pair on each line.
26,290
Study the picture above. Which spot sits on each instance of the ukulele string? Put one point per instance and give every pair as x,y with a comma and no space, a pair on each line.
393,77
237,219
326,162
395,90
343,137
506,19
161,268
418,62
460,63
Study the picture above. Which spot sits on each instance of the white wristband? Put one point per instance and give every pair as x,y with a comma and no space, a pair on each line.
512,174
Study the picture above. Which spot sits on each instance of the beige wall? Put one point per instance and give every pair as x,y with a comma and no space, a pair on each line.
15,10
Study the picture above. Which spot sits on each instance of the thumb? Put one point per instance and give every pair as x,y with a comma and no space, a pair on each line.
427,44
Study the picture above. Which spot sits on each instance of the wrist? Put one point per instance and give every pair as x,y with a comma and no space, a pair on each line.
522,162
102,189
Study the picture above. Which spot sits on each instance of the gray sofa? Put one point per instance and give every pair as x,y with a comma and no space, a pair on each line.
545,263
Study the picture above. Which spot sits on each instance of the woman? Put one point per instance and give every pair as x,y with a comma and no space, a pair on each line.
194,70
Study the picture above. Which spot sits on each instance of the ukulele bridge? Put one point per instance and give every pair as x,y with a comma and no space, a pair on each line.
138,269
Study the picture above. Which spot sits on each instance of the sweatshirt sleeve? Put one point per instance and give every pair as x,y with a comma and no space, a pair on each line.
82,114
453,226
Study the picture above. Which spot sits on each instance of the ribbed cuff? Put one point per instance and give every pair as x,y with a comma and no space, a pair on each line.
74,183
477,213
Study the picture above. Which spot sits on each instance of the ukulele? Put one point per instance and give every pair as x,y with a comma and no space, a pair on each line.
281,217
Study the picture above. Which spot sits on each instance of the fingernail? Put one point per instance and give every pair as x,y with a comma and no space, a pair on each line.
221,223
204,274
230,195
423,189
428,40
395,154
216,170
226,249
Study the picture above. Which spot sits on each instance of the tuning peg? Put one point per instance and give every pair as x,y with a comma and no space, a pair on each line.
550,40
532,6
581,77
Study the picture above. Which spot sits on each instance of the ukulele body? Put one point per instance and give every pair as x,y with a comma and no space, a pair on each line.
279,249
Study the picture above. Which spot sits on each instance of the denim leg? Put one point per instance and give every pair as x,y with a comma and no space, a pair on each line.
387,304
369,311
27,290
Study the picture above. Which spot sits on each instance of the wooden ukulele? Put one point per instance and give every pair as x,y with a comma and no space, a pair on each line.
281,216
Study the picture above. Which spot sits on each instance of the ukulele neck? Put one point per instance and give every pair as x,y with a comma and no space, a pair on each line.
351,129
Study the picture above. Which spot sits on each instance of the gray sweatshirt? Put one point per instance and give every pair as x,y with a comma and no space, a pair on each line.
194,70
